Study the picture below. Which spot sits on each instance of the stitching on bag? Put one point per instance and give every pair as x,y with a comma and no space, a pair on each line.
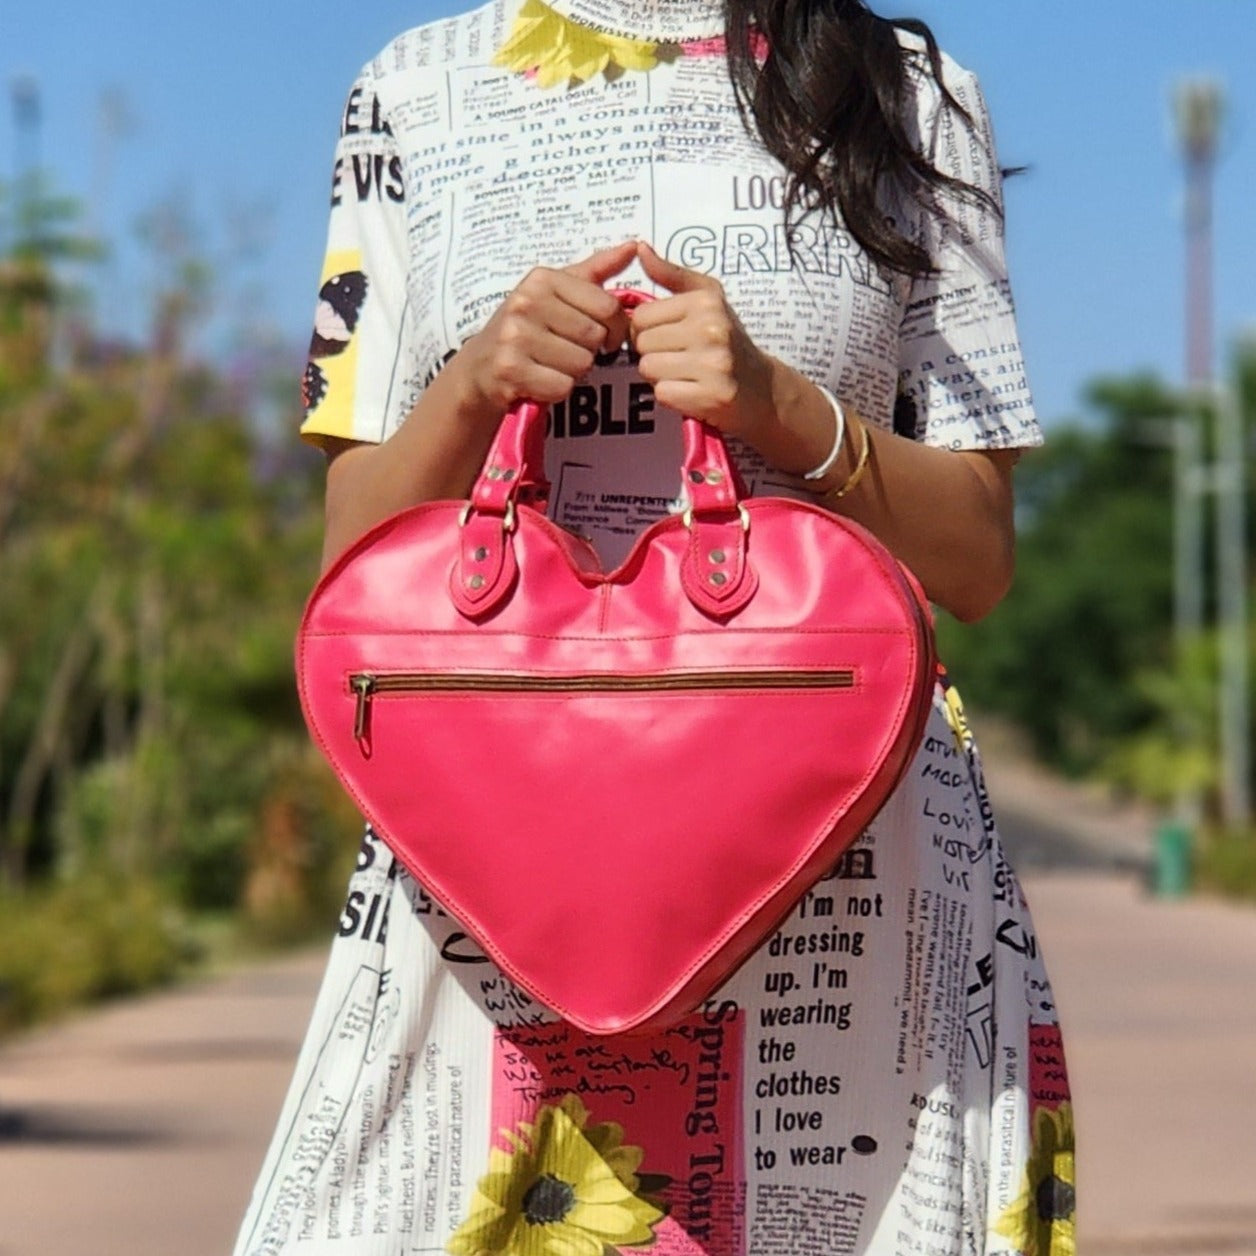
604,613
698,634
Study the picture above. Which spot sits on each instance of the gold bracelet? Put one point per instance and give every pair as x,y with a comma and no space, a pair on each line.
861,466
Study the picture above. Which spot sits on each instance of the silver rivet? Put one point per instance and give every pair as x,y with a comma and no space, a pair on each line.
480,554
696,476
718,578
476,582
508,474
717,556
494,473
714,477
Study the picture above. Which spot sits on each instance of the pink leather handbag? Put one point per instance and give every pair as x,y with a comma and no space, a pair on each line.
618,783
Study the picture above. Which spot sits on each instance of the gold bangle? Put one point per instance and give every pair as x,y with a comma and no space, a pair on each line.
861,466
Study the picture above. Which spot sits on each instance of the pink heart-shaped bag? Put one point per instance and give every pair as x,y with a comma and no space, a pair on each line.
618,783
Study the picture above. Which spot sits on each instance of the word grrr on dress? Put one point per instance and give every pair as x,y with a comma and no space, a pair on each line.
886,1074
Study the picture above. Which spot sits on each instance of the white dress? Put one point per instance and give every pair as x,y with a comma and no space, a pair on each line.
886,1074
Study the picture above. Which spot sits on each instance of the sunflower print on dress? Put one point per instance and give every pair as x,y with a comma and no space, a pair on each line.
565,1188
554,49
1041,1220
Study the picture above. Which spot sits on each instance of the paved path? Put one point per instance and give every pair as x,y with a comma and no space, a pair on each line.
1158,1002
136,1130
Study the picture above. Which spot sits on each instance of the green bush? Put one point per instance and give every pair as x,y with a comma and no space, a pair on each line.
1225,863
94,938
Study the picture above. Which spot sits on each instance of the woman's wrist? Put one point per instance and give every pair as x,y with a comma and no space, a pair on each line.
802,433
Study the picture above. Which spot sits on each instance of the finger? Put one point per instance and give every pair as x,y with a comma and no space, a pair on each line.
662,330
670,276
617,330
576,325
685,397
678,365
542,370
553,352
660,312
546,385
604,264
596,304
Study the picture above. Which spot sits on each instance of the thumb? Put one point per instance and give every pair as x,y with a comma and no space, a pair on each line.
600,266
668,275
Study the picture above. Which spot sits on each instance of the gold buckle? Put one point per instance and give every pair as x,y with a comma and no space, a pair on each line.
687,517
509,520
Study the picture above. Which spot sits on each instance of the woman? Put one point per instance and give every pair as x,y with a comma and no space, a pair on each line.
813,193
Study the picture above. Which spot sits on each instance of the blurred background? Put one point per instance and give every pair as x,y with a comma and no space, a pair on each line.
164,178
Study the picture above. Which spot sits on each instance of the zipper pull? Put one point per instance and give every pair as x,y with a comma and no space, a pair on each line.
363,684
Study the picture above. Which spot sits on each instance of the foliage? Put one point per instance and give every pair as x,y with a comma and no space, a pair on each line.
1082,655
1091,606
1175,753
96,936
41,223
154,569
1224,862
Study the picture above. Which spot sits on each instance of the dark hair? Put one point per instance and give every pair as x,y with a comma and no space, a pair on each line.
829,101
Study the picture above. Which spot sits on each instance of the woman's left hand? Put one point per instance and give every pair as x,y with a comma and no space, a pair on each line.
697,354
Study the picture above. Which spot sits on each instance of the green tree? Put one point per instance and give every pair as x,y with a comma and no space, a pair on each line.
153,581
1091,606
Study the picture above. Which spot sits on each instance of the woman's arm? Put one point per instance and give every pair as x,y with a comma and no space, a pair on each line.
540,340
946,515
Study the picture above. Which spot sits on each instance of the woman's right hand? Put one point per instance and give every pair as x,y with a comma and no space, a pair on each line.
545,334
540,340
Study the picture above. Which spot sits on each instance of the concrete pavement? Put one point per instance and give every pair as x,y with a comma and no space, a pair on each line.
1158,1003
137,1130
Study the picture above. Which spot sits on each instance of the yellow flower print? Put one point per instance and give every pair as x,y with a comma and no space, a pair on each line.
563,1190
1040,1220
559,50
957,718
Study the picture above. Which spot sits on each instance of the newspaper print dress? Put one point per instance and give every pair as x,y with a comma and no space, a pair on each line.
886,1074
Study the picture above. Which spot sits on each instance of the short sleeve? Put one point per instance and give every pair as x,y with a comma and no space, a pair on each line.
961,370
359,353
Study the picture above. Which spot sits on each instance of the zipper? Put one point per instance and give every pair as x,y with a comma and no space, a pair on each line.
367,684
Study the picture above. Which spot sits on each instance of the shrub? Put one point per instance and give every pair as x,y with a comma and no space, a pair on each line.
94,938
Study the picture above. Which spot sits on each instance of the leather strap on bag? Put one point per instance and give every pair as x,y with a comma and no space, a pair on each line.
717,576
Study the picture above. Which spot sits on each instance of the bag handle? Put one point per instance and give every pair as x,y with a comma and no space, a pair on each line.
715,574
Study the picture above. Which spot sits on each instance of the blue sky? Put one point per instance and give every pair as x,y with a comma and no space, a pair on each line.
233,112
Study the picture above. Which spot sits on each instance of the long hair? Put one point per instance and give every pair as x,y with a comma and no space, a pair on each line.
829,100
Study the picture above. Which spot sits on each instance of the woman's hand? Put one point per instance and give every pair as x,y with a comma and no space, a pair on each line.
538,342
697,354
702,362
545,334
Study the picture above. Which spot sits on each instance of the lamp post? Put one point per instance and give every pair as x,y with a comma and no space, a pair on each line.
1231,483
1199,109
1198,105
27,119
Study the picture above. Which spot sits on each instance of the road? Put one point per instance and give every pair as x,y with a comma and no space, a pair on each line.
136,1130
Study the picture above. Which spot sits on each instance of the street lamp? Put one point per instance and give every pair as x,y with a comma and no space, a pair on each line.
1199,107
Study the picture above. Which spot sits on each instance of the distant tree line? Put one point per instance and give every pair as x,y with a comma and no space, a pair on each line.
155,552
